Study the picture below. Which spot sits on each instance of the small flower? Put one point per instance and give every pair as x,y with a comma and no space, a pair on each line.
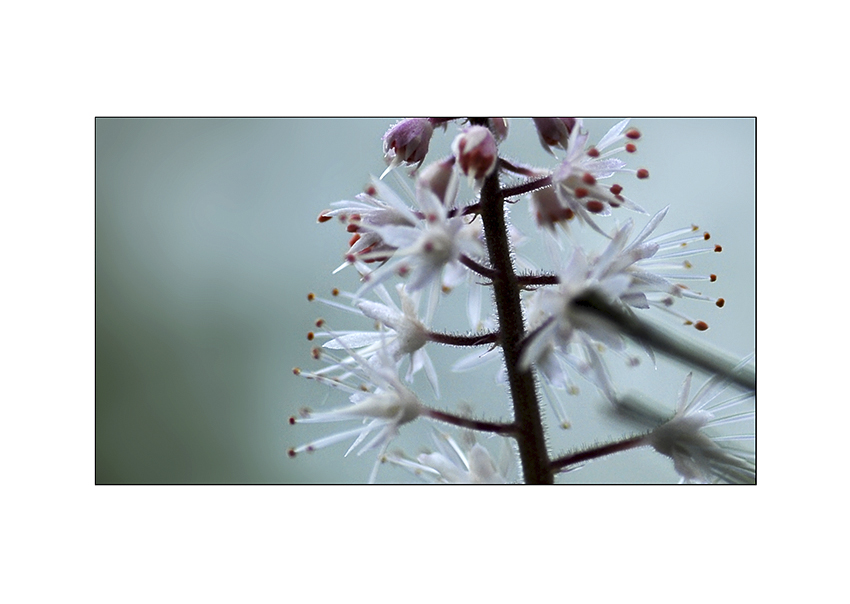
407,142
378,206
698,454
576,180
426,252
476,152
400,333
451,465
379,400
634,274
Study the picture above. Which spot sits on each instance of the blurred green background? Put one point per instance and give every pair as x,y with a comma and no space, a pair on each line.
207,245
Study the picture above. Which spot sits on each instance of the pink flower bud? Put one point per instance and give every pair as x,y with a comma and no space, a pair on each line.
554,131
438,177
407,141
476,153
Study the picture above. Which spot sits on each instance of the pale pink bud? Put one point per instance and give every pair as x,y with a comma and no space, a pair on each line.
438,177
547,208
407,141
499,126
476,153
554,131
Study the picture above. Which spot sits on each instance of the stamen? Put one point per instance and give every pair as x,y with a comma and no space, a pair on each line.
323,217
720,302
718,248
633,134
642,173
631,148
595,206
701,325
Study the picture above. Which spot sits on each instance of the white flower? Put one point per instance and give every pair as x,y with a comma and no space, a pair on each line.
451,465
379,400
576,180
699,455
427,252
400,333
630,273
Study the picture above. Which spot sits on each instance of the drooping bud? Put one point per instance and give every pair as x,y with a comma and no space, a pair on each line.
441,179
407,142
554,131
476,153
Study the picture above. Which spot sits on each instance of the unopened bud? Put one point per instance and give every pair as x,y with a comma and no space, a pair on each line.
476,153
407,142
554,131
440,178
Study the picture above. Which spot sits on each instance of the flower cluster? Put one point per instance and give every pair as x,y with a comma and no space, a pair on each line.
450,231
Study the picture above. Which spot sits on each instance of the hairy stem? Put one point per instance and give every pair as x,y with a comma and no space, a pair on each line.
533,454
564,463
472,424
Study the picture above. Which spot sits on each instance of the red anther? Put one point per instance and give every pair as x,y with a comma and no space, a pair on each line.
296,371
350,258
429,246
354,239
643,173
355,218
594,206
712,277
614,204
633,134
371,191
616,189
320,322
335,291
342,217
588,179
291,453
581,192
324,217
432,218
593,152
292,420
310,335
720,302
706,236
352,228
567,214
631,147
701,325
316,353
311,296
403,270
446,289
718,248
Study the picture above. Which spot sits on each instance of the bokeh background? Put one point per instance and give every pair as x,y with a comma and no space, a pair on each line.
207,245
